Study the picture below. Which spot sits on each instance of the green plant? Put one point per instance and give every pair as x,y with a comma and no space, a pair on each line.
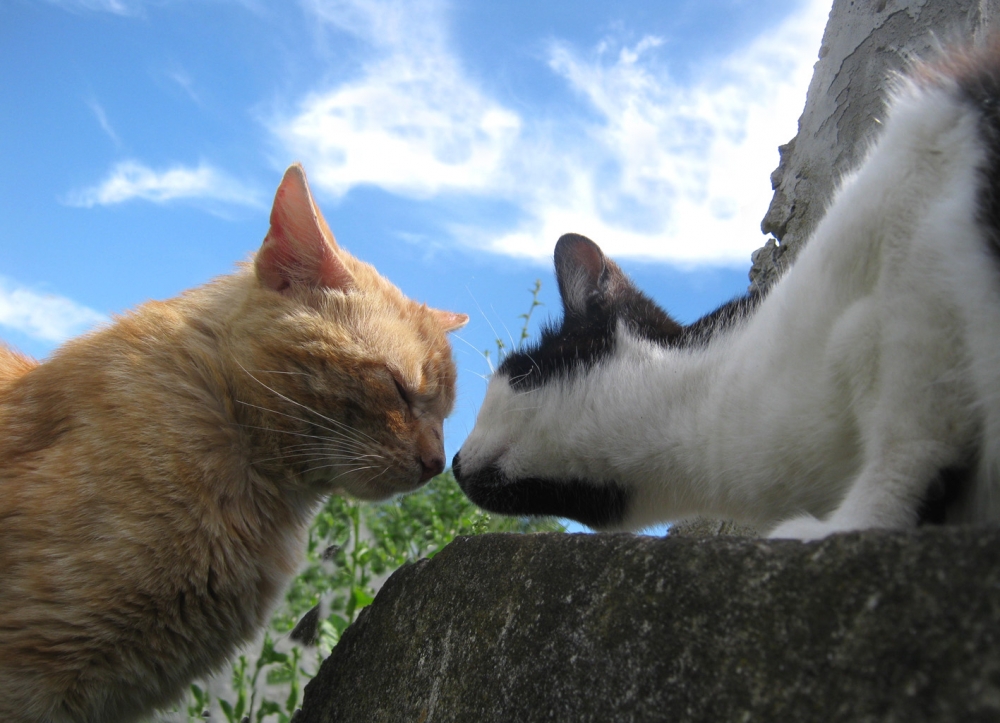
535,303
351,545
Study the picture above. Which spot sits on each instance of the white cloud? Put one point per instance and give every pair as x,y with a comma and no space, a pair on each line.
130,179
411,123
690,165
667,171
46,317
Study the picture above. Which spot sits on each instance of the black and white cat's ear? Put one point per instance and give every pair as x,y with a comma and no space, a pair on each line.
581,270
299,249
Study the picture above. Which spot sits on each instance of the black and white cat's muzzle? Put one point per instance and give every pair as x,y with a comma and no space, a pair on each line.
597,505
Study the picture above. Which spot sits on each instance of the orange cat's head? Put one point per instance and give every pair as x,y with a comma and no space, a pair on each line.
345,381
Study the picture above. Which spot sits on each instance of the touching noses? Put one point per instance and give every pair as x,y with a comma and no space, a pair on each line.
430,447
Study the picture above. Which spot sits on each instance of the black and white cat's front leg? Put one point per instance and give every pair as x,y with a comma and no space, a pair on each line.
914,413
887,494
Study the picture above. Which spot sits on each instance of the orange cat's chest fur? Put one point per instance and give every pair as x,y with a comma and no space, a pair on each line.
157,476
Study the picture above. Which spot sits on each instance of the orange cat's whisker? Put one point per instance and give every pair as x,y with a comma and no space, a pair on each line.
303,406
375,477
275,371
352,469
323,453
285,431
340,433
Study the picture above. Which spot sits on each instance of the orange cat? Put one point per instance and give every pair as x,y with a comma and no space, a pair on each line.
157,476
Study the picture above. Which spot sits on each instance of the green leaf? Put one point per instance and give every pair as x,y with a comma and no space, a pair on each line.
272,656
361,597
241,705
338,622
268,707
293,697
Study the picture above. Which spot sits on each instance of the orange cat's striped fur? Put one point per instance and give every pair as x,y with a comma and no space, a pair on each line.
157,475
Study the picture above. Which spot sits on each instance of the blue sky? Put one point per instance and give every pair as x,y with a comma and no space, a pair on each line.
449,144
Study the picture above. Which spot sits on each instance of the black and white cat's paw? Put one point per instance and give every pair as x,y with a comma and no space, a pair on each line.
805,528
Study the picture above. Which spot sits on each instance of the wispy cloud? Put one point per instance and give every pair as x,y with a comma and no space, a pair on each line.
134,7
130,180
102,119
180,76
411,123
116,7
661,170
46,317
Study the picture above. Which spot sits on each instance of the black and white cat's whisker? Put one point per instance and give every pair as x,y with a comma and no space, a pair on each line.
479,352
510,336
523,409
484,377
485,318
534,363
520,377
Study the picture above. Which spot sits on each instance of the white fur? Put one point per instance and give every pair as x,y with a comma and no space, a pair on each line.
872,365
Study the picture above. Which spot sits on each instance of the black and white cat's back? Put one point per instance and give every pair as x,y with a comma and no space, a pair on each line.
869,373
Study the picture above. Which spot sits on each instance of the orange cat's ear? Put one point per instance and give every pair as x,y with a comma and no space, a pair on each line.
450,320
297,250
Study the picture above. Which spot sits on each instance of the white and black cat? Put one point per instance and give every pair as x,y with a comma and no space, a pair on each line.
862,392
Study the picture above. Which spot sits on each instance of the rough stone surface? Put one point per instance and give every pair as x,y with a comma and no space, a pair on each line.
865,42
706,527
862,627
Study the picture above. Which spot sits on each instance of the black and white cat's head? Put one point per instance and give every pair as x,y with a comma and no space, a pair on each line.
532,451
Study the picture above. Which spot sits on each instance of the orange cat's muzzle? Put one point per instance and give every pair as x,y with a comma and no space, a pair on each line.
430,448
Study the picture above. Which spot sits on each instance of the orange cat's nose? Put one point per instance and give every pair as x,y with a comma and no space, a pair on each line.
431,466
430,449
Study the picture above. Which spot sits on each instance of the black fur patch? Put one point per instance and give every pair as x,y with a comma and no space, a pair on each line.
950,485
579,342
597,506
583,340
700,332
978,79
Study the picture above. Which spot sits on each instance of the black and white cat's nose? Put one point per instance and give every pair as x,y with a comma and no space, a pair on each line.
456,467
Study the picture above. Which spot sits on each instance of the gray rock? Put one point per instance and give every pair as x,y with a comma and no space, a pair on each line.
705,527
861,627
865,42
